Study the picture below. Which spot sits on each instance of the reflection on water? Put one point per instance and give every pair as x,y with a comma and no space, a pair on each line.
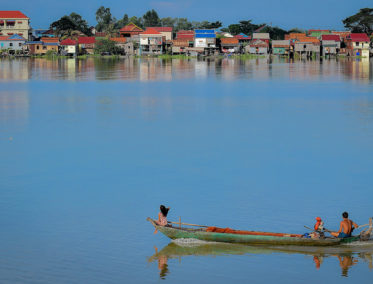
14,106
153,69
346,256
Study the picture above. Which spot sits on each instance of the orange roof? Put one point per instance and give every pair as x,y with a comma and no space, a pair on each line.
151,31
12,15
49,39
229,40
296,35
4,37
318,31
131,27
119,39
163,29
308,39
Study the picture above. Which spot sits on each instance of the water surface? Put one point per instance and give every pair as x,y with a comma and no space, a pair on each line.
90,148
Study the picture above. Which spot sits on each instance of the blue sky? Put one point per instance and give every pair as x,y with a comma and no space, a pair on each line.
286,13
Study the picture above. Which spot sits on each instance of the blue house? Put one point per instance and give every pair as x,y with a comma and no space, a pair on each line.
205,38
12,43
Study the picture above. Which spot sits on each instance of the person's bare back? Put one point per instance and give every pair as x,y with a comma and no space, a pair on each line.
346,227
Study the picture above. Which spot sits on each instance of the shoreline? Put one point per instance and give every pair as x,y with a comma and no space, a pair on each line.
184,57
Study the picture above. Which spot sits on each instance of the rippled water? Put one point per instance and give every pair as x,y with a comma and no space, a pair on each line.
90,148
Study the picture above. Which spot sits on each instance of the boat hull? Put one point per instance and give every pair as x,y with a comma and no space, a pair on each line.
184,233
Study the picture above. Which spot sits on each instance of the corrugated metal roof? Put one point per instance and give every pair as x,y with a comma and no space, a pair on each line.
33,42
16,37
163,29
205,31
229,40
280,43
260,35
205,36
180,42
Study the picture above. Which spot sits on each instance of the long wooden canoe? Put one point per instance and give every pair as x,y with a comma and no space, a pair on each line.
179,232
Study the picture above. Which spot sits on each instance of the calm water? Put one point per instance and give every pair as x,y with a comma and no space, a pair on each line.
90,148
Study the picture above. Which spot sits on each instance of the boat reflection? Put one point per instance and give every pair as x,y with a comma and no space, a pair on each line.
347,256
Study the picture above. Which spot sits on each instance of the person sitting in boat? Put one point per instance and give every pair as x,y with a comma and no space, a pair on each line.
346,227
162,217
319,226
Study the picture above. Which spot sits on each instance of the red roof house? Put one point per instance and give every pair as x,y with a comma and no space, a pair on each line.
68,41
130,30
188,35
12,15
358,44
150,31
86,44
165,31
358,37
330,38
86,40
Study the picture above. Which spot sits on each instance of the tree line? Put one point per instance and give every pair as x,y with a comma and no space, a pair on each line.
69,25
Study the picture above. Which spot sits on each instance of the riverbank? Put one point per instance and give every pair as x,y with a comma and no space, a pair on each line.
245,56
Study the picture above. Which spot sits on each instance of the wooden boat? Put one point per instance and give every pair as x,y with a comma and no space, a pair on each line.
182,231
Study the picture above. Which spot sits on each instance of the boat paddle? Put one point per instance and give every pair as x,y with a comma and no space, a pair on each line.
326,230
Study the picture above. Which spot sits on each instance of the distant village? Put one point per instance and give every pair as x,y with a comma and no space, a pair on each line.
18,38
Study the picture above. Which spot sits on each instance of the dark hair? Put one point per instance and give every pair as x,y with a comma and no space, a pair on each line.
164,210
345,215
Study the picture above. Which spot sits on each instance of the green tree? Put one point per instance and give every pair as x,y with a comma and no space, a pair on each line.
103,18
122,22
247,27
274,32
151,19
183,24
80,23
137,21
361,22
212,25
296,30
234,29
168,22
106,45
62,25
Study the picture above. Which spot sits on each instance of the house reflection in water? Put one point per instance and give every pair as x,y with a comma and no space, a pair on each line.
15,70
166,69
346,257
